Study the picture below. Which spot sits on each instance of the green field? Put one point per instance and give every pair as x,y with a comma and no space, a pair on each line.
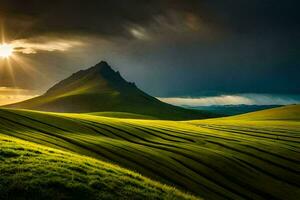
251,156
122,115
31,171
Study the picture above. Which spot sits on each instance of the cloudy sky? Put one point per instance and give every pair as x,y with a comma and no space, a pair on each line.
169,48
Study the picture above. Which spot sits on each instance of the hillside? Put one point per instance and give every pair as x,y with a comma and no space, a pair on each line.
121,115
31,171
101,89
291,112
215,159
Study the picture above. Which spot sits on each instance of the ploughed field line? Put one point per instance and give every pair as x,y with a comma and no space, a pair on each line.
215,161
257,133
45,173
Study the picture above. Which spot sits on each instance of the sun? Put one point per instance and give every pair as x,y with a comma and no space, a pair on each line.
6,50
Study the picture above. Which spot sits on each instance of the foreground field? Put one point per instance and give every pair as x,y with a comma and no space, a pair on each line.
30,171
230,158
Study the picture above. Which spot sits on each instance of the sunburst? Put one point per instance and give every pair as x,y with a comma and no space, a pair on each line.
6,50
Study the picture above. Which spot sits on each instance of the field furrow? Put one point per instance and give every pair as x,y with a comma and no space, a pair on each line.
210,158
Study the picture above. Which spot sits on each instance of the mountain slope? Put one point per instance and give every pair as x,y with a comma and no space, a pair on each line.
100,89
31,171
216,158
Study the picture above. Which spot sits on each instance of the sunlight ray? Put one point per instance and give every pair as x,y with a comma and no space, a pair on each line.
2,34
11,72
27,66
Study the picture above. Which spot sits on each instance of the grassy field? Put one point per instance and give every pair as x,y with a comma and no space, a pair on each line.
122,115
286,113
251,156
31,171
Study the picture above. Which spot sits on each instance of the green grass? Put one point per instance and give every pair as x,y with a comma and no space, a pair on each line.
31,171
122,115
289,113
227,158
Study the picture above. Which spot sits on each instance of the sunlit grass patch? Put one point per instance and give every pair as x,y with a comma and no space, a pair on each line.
30,171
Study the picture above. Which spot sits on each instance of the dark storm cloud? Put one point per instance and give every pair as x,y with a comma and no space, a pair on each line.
111,17
106,17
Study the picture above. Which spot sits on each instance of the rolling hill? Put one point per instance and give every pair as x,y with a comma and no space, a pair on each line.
31,171
101,89
290,113
226,158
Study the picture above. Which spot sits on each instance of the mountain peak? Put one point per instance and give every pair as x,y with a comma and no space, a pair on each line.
104,69
98,77
101,89
102,65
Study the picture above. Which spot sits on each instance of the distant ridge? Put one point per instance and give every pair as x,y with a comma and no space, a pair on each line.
101,89
229,110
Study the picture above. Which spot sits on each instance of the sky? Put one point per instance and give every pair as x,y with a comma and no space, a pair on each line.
189,49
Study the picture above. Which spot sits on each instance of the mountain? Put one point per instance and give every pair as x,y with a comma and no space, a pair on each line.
101,89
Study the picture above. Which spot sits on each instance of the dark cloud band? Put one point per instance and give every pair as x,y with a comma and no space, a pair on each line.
110,17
